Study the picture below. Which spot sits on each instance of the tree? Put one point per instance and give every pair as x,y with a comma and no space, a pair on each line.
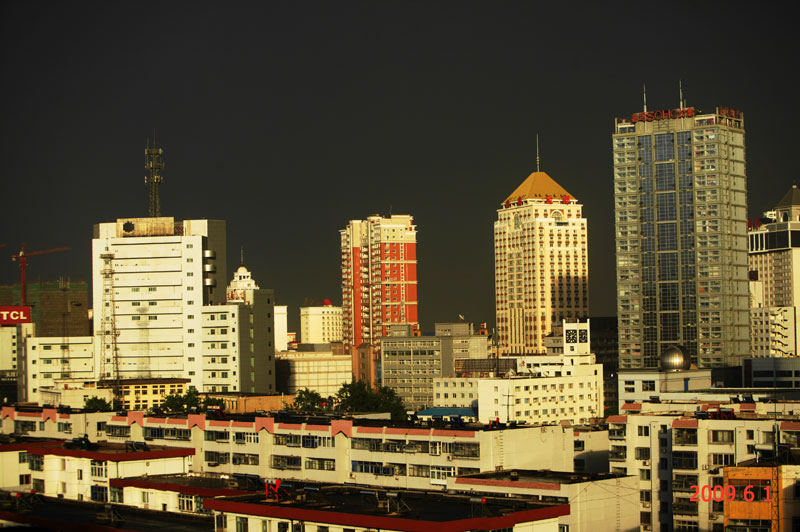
359,397
173,403
212,401
306,400
182,403
96,404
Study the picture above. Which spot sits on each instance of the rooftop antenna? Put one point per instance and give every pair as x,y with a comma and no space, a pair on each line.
241,258
153,163
537,152
680,90
644,93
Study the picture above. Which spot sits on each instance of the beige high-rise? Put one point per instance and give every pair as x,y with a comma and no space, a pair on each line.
541,269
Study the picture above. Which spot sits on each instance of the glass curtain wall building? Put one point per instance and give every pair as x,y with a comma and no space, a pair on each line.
681,236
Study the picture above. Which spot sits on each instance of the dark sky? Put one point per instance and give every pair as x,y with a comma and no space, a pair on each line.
287,119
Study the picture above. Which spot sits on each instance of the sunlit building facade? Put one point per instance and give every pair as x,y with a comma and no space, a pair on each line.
681,236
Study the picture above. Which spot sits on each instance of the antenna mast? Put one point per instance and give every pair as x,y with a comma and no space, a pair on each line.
644,94
154,163
680,90
537,152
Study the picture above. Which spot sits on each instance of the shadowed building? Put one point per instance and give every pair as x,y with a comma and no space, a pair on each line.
541,272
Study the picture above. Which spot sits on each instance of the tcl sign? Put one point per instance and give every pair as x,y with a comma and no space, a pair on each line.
649,116
13,315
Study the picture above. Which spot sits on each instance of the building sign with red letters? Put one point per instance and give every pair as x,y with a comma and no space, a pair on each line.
14,315
665,114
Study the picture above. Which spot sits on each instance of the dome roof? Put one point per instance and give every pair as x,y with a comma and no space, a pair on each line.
673,359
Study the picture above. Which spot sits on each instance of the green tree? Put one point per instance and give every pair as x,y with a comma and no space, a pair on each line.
306,400
212,401
359,397
96,404
173,403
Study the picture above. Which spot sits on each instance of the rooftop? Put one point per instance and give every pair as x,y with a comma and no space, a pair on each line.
199,484
45,513
527,476
792,197
538,185
113,452
408,510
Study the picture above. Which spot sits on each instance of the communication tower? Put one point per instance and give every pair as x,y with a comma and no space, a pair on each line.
154,163
109,356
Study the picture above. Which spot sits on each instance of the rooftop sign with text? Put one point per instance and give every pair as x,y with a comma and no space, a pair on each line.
14,315
650,116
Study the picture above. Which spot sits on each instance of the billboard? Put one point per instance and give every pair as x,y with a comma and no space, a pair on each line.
14,315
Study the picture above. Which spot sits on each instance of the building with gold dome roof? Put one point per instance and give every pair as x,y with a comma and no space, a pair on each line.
541,269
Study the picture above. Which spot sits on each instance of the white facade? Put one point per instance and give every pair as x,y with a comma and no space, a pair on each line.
773,331
321,371
70,360
641,385
671,451
281,328
320,325
156,274
541,269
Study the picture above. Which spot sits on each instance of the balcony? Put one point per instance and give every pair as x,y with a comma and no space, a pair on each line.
684,508
618,456
616,434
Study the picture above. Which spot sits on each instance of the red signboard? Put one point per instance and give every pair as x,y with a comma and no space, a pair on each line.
649,116
14,315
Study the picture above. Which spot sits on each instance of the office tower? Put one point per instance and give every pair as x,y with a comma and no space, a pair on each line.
321,325
680,209
152,277
379,278
774,263
541,273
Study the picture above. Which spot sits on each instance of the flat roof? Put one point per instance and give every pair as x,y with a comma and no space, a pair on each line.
405,510
200,484
83,516
522,477
113,452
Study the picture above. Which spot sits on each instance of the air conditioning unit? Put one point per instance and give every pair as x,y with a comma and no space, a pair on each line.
645,504
647,528
705,467
449,457
646,463
713,517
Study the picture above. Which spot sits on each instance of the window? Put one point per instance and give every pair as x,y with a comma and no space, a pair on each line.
644,474
185,503
644,430
116,494
721,436
99,493
99,469
648,386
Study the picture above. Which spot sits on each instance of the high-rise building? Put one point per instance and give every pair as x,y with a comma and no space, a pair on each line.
321,325
680,208
152,276
774,262
379,278
541,273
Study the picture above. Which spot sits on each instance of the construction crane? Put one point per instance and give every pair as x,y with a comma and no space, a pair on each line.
22,258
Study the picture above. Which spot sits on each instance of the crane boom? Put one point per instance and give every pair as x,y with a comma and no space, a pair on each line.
22,258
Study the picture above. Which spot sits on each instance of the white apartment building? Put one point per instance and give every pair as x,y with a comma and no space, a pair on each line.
541,270
389,454
281,328
774,262
642,385
676,448
83,474
602,502
321,371
151,278
161,311
320,325
564,385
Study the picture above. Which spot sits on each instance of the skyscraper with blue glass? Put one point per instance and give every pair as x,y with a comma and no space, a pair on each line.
681,236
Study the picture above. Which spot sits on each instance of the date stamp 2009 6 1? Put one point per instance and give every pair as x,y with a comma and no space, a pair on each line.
729,493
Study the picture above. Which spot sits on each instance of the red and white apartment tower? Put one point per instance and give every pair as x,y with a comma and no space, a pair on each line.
379,278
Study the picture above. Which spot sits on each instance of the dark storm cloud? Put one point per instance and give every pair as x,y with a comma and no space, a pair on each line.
289,118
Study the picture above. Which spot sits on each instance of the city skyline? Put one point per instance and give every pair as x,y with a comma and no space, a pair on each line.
347,111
